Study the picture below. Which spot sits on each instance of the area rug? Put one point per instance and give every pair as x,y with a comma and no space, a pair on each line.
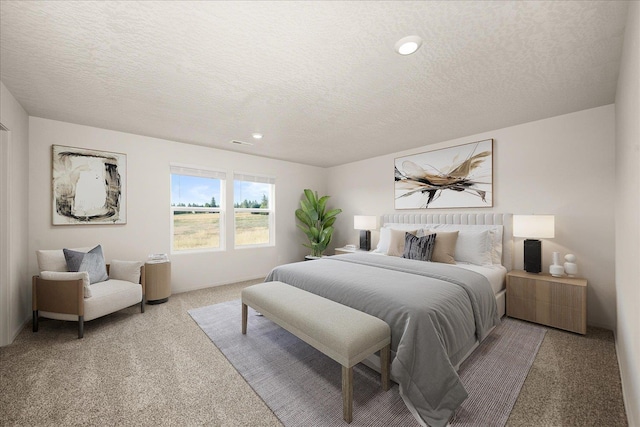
303,386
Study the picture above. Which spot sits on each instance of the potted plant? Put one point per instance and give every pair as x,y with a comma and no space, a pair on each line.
317,222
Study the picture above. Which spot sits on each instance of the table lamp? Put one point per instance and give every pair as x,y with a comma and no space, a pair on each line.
532,228
365,223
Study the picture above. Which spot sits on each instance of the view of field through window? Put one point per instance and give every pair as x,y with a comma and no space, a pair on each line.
251,211
197,214
195,206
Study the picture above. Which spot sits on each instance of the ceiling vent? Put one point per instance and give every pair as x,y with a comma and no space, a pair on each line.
241,142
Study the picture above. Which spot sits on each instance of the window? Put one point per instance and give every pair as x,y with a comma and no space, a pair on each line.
197,209
254,213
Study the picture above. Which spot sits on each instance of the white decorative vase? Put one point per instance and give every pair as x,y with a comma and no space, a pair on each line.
570,266
556,269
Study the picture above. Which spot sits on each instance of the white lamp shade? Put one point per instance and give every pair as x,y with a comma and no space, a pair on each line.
365,222
534,226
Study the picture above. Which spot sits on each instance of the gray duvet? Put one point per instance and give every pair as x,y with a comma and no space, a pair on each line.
436,312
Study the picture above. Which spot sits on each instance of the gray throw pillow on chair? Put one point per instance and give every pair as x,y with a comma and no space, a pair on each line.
92,262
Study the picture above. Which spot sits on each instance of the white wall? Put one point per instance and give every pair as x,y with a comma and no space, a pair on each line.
562,166
15,291
148,200
628,215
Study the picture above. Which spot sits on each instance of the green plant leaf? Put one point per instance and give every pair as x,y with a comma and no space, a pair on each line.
330,222
322,203
332,213
303,217
311,197
315,233
306,232
306,206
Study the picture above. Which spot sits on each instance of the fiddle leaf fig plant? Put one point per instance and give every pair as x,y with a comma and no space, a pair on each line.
316,221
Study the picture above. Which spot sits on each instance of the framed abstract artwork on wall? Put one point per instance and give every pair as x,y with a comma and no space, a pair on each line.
455,177
89,186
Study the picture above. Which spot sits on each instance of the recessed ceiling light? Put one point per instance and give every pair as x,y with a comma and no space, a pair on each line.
408,45
256,135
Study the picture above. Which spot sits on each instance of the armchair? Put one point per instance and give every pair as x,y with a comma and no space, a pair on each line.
55,296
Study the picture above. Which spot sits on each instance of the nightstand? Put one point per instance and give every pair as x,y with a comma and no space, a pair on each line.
560,302
341,251
157,282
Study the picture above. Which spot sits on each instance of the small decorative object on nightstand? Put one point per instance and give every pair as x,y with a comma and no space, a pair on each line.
560,302
570,267
556,269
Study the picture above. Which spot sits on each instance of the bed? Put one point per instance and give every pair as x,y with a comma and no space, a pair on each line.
438,311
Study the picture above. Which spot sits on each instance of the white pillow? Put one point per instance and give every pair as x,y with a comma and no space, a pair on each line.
53,259
66,275
496,248
495,234
125,270
473,247
383,242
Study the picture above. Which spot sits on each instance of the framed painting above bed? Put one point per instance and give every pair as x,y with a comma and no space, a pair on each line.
455,177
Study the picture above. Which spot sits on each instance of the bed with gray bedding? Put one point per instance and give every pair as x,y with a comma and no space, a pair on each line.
437,314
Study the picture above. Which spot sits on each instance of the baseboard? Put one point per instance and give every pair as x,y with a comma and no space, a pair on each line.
625,399
19,329
216,284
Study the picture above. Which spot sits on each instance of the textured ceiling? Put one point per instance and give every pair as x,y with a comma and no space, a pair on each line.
319,79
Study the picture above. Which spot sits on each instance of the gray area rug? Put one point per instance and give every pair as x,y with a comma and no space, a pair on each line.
303,386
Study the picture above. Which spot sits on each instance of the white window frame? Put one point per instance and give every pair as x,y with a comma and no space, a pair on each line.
197,171
247,177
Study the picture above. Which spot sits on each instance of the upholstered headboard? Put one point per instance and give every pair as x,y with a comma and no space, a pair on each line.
506,220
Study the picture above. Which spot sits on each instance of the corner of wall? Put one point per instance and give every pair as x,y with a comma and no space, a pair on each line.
627,205
15,294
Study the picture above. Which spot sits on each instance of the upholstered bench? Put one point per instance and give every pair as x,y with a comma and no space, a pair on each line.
344,334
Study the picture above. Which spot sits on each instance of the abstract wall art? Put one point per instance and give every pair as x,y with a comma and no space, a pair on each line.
89,186
455,177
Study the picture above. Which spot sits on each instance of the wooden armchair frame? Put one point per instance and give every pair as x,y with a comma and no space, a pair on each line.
66,297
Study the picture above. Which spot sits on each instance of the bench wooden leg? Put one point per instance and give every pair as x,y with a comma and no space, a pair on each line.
385,355
244,319
347,393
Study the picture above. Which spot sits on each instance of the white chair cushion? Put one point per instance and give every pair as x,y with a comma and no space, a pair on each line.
125,270
54,260
108,296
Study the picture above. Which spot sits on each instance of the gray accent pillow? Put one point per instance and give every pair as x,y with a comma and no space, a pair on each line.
92,262
419,248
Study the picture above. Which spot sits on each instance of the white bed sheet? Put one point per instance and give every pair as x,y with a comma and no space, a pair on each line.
495,273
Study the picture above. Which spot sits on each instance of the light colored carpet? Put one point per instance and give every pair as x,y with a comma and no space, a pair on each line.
303,387
159,368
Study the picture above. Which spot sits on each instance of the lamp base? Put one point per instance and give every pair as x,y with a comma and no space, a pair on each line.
532,256
365,240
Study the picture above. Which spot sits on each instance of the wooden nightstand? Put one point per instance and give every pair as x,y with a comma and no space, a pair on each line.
157,282
560,302
341,251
